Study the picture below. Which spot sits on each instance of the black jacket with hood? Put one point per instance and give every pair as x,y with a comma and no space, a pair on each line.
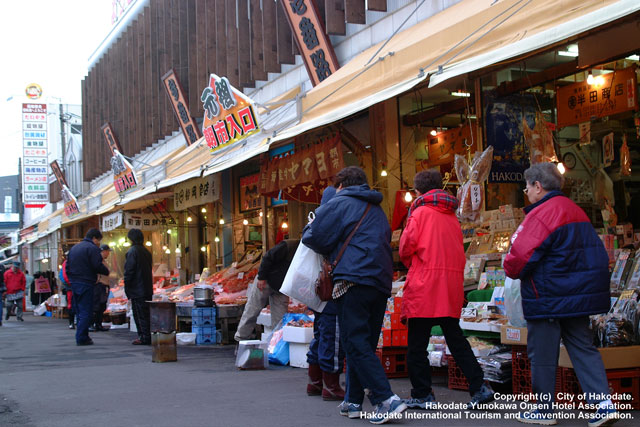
138,279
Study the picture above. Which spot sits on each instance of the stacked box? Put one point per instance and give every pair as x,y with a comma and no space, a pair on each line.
203,316
205,335
393,333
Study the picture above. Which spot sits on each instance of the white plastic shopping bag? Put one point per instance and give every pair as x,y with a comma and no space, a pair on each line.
300,281
513,302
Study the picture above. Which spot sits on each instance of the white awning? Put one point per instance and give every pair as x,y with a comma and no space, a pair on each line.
238,153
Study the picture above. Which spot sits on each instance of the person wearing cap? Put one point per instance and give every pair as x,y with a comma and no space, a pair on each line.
101,293
83,266
16,282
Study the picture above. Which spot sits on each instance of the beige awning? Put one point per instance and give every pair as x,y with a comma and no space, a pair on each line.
467,36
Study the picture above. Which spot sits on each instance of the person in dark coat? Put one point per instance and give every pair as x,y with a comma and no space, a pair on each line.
101,293
138,285
564,272
326,355
83,266
273,268
362,284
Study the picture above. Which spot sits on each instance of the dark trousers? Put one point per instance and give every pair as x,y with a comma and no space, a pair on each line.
543,348
325,349
418,360
83,308
142,317
72,314
360,315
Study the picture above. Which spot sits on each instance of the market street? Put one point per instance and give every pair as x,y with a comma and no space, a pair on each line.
47,381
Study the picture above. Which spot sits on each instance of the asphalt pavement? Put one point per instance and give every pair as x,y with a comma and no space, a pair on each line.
46,380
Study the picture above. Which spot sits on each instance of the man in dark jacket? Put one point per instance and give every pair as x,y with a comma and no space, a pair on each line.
564,271
362,284
83,266
138,285
273,267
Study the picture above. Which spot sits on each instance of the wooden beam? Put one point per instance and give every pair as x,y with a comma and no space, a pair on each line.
221,39
232,45
539,78
354,12
335,22
270,37
195,50
257,45
244,45
377,5
437,111
285,49
211,44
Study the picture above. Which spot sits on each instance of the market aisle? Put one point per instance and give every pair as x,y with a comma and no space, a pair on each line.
47,381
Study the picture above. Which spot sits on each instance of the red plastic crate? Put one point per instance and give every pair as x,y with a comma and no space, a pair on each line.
394,361
620,381
457,380
521,371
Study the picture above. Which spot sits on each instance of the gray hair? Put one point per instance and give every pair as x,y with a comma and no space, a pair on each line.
547,174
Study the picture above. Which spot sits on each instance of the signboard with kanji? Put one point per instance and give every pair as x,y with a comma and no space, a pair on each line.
112,221
229,115
124,177
197,191
609,94
313,42
70,201
249,194
35,181
301,176
175,92
440,150
145,222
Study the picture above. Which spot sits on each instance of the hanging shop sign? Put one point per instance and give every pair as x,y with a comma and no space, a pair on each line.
33,91
197,191
35,147
145,222
175,92
607,150
302,175
608,94
70,202
124,177
441,149
229,115
111,222
249,194
313,42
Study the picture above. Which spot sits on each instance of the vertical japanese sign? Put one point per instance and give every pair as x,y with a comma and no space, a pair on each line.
608,94
35,183
229,115
70,202
124,177
313,42
176,95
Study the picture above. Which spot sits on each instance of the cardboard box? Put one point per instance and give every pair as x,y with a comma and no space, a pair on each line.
296,334
399,338
513,335
612,357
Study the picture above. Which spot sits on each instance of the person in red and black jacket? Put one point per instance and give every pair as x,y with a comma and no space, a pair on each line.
15,281
564,270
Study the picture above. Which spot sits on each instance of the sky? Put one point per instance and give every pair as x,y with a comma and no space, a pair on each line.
47,42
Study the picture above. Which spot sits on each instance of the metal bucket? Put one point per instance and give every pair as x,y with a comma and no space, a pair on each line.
203,296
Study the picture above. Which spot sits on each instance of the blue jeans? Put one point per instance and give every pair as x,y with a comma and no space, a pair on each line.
360,316
325,349
83,308
543,348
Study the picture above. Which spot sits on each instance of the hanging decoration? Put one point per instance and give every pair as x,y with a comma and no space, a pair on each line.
607,150
470,193
539,140
625,158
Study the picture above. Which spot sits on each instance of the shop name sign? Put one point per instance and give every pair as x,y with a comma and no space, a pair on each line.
229,115
124,177
113,221
610,94
145,222
316,48
35,174
70,202
197,191
176,95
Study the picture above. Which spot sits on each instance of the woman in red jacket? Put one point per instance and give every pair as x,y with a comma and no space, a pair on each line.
431,247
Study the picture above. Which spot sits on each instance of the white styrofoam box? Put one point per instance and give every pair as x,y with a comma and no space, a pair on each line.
132,325
298,354
296,334
264,319
186,338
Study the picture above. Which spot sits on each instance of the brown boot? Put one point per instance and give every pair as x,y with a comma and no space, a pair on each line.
332,389
314,388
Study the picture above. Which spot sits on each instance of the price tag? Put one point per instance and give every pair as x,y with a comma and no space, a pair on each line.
234,265
476,197
240,275
469,312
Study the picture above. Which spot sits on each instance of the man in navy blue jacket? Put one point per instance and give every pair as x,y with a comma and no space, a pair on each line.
83,266
362,284
564,270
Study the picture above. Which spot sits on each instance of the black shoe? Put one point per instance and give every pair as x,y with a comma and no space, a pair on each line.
21,319
101,329
92,329
90,342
